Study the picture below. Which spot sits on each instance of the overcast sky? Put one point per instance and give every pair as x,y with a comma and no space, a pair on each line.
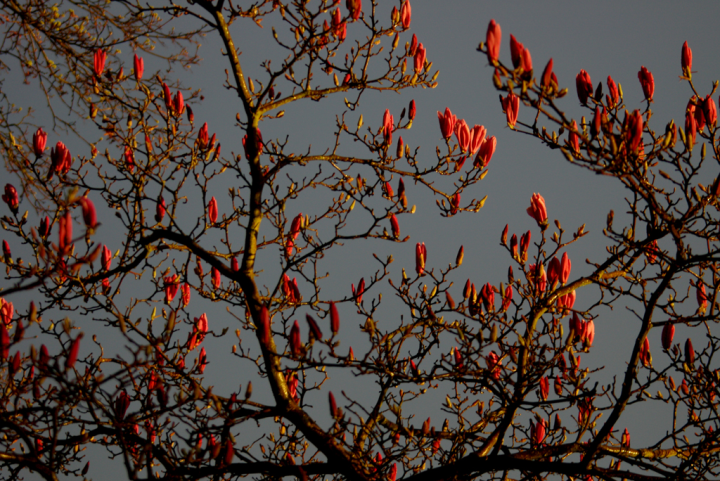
605,38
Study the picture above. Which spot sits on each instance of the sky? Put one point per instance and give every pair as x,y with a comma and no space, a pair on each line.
609,38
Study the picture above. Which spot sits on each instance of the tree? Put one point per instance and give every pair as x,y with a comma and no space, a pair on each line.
254,252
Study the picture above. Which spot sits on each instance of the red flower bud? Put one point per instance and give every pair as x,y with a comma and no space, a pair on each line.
395,226
129,159
333,405
354,7
668,333
689,353
73,354
99,62
709,111
388,124
216,279
88,212
178,104
613,96
185,291
420,258
584,86
39,141
547,77
462,133
625,441
334,319
544,388
574,138
405,14
511,105
487,149
647,82
477,137
419,58
106,258
171,288
537,210
160,210
212,210
60,158
701,295
492,41
686,60
138,67
412,110
447,123
11,198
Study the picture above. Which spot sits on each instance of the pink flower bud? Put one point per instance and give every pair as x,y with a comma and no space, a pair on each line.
6,251
99,62
647,82
584,86
492,41
589,333
537,210
565,266
339,27
690,129
39,141
138,67
477,137
212,210
462,133
516,49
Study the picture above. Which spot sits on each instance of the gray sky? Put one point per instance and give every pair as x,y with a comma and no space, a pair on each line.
609,38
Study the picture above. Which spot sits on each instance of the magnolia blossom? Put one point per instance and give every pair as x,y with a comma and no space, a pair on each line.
138,67
584,86
646,82
99,62
492,41
537,209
